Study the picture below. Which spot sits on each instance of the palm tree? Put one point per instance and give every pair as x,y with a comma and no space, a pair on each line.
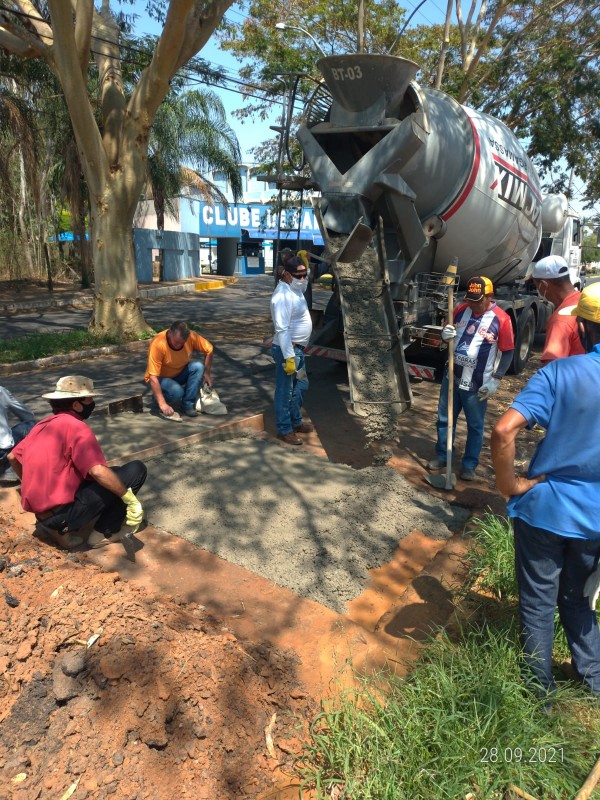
190,138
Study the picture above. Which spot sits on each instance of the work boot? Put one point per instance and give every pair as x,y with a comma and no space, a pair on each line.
289,438
468,475
65,540
190,412
436,463
304,427
9,476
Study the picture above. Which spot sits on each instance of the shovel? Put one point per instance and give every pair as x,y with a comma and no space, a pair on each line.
448,481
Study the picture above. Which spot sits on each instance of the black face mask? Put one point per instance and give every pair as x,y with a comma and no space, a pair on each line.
87,410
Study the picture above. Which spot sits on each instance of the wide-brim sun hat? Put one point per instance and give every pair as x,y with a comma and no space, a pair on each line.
72,386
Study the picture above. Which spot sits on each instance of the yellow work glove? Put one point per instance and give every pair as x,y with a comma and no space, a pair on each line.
290,366
135,513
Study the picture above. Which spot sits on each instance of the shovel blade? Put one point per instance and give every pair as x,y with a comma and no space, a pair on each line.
442,481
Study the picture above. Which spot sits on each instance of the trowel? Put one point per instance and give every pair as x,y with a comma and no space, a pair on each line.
448,481
129,544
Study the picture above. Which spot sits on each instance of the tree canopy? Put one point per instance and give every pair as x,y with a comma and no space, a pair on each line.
532,63
110,116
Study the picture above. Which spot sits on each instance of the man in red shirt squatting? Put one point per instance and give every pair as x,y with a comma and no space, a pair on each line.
64,478
553,282
481,330
174,379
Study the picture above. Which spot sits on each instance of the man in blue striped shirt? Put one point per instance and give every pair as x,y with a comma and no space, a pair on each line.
480,330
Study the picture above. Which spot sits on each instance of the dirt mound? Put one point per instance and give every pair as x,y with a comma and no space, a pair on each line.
127,694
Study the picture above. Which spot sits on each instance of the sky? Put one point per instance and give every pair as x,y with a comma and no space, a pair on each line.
252,132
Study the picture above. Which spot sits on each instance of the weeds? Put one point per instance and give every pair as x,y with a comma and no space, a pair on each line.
491,561
461,722
40,345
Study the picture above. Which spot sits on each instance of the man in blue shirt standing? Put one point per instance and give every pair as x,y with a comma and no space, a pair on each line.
555,508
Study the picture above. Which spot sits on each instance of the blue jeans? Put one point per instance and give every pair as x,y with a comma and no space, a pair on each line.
289,391
183,389
19,432
474,410
551,570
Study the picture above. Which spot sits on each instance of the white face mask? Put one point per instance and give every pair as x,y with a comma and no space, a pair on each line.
539,290
298,285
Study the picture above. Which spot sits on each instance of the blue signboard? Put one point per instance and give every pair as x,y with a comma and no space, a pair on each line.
259,220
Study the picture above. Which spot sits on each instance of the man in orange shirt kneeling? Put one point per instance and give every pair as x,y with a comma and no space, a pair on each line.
174,379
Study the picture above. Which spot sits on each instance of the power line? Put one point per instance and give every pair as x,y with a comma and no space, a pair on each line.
187,72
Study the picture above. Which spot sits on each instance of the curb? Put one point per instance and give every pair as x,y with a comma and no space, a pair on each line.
81,355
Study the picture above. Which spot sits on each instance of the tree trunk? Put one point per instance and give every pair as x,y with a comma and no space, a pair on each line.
25,238
116,300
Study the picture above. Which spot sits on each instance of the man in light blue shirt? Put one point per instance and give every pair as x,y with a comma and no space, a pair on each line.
555,508
10,436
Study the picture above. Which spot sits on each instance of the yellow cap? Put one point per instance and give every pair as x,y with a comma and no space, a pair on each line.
588,306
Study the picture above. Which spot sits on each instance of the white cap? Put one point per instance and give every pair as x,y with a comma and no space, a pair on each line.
550,267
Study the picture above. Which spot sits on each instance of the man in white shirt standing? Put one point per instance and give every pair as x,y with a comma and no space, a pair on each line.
293,327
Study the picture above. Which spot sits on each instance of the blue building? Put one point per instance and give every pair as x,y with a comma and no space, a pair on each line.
235,239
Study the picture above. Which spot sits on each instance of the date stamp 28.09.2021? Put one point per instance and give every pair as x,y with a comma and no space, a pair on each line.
522,755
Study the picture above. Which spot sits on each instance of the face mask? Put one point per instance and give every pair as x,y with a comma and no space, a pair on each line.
87,410
539,290
298,286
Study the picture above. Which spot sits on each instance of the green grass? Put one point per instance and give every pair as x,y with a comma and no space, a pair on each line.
491,561
40,345
491,566
461,722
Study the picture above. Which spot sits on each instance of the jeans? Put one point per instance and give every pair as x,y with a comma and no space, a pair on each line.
551,570
183,389
289,391
474,410
92,500
19,432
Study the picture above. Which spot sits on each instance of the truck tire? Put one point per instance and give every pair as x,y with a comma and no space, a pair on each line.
523,341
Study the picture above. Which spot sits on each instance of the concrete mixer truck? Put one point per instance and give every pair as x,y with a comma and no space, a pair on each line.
416,180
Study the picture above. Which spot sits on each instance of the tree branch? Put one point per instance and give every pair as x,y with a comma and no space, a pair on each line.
18,45
43,30
516,35
105,37
445,45
84,14
75,90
